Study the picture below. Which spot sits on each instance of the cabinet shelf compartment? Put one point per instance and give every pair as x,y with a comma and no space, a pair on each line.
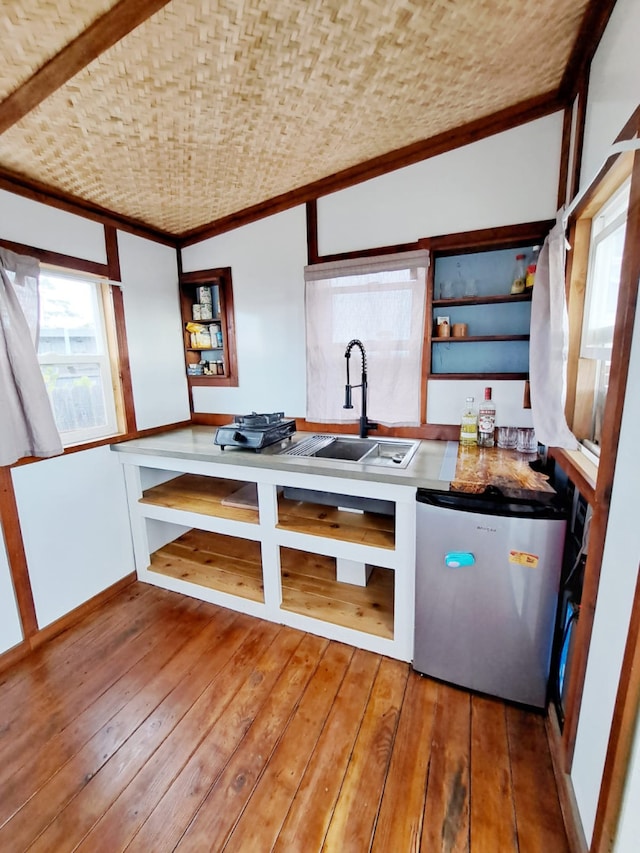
205,495
310,588
489,356
315,519
223,563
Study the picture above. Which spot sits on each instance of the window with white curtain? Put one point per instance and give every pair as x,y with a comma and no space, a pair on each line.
381,302
603,280
74,355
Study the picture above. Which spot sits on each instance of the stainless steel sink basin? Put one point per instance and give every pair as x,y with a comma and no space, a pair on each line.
389,452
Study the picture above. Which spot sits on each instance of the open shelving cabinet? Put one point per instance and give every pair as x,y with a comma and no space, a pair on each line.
220,327
469,283
199,530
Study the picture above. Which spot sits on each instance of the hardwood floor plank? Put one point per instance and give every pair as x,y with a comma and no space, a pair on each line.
225,802
353,821
40,765
399,824
306,823
160,722
277,786
17,681
492,812
446,814
538,815
172,815
221,662
215,707
55,700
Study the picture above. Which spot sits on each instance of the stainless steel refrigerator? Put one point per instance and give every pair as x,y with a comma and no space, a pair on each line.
487,577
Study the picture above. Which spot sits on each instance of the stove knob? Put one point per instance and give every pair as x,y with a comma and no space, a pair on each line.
239,437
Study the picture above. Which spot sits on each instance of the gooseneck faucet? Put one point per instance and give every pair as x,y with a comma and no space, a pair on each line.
365,423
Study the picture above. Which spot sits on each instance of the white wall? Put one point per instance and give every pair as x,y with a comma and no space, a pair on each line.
615,598
154,331
445,400
614,93
35,224
614,86
267,260
10,627
75,527
508,178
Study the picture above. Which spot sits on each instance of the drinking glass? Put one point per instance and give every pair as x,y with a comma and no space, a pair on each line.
507,437
527,442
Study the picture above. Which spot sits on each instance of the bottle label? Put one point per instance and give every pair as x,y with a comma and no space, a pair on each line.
486,422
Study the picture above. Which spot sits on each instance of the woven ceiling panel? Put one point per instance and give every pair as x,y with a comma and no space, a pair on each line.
210,107
33,31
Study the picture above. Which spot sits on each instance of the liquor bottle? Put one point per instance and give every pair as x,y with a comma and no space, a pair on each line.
519,276
469,424
486,420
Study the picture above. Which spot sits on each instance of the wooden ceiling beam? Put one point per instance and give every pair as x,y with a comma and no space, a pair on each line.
594,22
102,34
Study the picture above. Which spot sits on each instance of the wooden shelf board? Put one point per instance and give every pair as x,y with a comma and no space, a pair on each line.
483,300
475,338
478,376
200,494
329,522
224,563
310,588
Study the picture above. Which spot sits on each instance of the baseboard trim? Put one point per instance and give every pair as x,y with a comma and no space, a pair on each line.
23,649
564,785
14,655
78,613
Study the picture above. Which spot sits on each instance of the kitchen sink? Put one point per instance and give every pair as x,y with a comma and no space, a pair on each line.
389,452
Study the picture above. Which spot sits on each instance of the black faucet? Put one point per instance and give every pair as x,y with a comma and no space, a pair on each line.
365,423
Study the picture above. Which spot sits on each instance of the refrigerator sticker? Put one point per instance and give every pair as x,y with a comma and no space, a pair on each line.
521,558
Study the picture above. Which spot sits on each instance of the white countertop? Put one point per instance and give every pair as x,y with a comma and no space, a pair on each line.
196,443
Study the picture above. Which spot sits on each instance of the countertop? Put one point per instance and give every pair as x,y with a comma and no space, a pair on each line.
437,465
196,443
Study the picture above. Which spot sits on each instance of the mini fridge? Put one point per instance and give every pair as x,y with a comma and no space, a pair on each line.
487,577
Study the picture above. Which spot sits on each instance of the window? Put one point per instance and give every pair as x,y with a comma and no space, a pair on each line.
606,245
380,302
76,327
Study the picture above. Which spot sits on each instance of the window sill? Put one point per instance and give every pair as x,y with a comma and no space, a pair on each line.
581,471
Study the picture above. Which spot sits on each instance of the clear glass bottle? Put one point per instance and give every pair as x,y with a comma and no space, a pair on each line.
469,424
519,276
486,420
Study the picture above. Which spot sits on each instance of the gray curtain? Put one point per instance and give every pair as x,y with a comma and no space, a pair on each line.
27,427
549,344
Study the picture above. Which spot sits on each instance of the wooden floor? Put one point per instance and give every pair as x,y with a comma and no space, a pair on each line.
162,723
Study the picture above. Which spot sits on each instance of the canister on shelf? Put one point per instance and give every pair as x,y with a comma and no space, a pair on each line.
196,311
203,294
206,312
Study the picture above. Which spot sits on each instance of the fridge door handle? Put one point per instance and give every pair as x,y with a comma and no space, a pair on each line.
457,559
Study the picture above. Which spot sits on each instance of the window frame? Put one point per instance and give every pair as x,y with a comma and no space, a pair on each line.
106,360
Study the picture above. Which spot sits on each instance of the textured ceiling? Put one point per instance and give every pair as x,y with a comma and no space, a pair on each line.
208,108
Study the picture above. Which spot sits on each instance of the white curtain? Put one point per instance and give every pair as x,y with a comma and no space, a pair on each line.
549,344
27,427
381,302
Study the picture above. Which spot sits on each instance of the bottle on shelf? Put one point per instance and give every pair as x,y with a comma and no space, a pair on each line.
486,420
531,269
519,276
469,424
